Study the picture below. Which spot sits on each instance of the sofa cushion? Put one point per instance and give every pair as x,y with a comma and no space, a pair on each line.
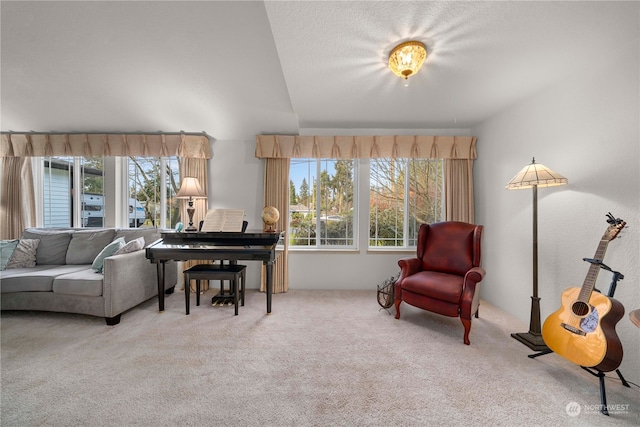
84,282
34,279
132,246
110,249
86,245
6,250
150,235
24,256
53,246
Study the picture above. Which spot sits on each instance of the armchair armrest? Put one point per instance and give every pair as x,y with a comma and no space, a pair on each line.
409,266
470,298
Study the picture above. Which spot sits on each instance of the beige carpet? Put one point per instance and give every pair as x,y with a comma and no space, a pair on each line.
322,358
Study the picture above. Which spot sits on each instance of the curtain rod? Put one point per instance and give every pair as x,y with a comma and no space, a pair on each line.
159,132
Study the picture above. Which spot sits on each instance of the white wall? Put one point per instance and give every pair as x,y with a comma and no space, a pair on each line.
587,129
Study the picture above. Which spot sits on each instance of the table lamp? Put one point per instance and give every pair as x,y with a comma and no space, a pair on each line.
190,189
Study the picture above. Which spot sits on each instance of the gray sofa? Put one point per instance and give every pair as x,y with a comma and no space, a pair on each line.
63,279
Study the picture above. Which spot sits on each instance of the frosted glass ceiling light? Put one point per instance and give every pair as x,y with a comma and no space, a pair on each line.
406,59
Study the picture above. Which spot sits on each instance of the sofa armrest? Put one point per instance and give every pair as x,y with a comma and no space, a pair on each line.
130,279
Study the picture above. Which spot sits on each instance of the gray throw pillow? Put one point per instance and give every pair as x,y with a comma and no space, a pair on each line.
24,256
53,246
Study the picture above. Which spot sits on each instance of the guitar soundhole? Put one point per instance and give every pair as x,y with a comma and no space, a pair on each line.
580,308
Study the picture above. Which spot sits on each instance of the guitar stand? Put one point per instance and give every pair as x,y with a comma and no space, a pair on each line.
596,372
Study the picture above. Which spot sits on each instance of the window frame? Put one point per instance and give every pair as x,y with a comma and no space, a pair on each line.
115,192
362,213
317,208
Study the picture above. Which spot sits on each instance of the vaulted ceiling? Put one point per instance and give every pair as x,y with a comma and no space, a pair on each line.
234,69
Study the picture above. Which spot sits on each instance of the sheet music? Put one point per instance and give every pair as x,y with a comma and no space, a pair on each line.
229,220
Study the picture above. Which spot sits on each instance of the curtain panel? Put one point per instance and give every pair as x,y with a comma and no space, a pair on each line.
17,205
29,144
458,189
362,147
196,168
276,193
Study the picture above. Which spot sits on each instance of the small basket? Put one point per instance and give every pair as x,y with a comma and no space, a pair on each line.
386,292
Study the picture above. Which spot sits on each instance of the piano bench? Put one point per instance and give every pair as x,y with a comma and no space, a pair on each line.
235,273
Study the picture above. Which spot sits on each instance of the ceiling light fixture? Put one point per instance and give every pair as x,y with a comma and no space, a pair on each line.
406,59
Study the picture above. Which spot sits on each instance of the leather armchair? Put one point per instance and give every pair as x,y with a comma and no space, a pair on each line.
444,276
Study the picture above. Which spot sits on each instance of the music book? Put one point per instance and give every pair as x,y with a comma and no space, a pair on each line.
223,220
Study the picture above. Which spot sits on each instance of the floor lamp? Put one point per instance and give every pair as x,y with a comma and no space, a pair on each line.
533,176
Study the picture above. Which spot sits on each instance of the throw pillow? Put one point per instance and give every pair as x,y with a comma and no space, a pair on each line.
6,250
24,256
132,246
110,249
52,249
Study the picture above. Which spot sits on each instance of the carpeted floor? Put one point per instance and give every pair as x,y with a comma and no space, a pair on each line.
322,358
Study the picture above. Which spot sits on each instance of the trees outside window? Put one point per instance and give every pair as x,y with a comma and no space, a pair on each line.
403,193
321,203
153,184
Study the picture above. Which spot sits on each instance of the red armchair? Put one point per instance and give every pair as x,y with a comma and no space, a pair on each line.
444,276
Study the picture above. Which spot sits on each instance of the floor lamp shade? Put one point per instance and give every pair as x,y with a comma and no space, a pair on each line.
190,189
533,176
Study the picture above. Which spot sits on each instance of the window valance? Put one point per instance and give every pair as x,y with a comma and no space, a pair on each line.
352,147
160,144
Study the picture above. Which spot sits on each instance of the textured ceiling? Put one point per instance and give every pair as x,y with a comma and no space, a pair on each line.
482,56
239,68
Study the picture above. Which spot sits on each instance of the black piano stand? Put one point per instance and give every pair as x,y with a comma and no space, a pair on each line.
596,372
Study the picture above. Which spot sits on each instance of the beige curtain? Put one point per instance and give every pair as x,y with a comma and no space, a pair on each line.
196,168
276,193
458,189
17,202
26,144
17,205
458,152
364,147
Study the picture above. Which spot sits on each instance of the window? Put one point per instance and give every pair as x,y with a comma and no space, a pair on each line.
145,203
403,193
321,199
153,182
59,207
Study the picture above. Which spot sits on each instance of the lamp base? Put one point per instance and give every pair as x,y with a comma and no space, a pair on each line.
532,340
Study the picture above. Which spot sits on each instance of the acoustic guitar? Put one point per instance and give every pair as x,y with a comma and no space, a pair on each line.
583,329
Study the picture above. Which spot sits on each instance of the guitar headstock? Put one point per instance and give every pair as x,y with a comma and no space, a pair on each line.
615,227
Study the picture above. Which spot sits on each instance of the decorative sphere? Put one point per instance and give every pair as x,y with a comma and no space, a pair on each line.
270,215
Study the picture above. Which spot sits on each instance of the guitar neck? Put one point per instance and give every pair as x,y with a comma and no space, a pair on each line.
590,281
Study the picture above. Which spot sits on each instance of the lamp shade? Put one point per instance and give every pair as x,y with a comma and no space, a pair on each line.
535,174
190,188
